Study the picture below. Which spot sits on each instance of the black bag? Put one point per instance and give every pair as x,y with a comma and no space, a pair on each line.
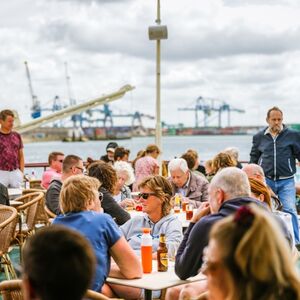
4,198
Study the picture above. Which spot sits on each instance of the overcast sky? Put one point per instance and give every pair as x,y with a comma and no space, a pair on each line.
246,53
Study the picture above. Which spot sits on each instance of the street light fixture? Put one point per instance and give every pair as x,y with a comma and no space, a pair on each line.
157,33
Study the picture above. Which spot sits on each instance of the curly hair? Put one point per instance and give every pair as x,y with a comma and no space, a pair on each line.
105,173
162,189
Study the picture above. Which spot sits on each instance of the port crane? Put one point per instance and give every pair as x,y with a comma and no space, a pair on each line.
136,117
75,109
36,108
209,106
36,105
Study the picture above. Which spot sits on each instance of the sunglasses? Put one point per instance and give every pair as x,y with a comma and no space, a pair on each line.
145,195
100,196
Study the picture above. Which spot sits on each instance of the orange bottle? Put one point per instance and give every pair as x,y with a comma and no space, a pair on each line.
146,250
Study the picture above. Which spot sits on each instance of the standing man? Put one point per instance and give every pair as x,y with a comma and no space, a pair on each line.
11,149
275,149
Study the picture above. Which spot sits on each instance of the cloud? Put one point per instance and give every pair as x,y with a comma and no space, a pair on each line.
259,2
201,40
246,55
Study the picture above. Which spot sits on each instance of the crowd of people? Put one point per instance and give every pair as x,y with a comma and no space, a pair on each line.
238,235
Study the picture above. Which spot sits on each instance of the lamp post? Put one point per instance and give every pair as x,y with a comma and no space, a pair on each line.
158,32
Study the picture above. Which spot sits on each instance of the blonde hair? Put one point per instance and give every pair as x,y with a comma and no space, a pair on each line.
152,148
77,192
222,160
256,256
162,189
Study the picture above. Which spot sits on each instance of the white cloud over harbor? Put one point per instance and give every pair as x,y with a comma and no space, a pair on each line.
246,53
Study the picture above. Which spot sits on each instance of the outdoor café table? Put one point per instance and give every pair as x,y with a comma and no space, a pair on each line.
14,193
15,203
155,280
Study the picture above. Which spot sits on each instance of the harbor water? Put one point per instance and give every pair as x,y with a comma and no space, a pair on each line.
172,146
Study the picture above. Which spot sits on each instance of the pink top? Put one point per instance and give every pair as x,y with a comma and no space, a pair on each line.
10,145
144,167
48,175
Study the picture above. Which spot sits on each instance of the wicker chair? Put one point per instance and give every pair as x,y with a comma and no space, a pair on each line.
8,219
12,290
28,210
36,184
42,216
51,215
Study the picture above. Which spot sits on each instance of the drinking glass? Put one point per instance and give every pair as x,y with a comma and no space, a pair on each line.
189,212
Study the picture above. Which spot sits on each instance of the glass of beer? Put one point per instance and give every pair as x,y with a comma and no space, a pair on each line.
189,212
184,203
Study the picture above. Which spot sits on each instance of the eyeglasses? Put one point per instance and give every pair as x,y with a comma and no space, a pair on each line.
79,168
145,196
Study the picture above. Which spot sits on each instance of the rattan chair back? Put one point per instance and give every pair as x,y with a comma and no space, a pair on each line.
42,217
29,207
36,184
51,215
12,290
8,221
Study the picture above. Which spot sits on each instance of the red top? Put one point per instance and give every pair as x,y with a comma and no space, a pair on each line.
10,144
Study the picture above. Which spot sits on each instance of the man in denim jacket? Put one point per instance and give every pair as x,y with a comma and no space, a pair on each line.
275,149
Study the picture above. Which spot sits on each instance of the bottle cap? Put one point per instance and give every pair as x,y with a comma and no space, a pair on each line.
146,230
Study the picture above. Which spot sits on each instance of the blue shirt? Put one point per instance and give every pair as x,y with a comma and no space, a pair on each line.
101,231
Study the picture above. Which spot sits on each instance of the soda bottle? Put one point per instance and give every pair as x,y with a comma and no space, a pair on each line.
146,250
162,254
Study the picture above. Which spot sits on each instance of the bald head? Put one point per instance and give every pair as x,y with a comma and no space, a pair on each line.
233,182
227,184
254,171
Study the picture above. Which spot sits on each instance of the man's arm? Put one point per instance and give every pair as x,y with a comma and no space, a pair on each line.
189,254
255,153
204,196
112,208
52,200
21,160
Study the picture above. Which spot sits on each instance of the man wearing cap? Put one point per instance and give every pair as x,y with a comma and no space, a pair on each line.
110,151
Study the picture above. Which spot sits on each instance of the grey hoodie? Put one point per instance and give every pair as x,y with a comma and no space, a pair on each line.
169,225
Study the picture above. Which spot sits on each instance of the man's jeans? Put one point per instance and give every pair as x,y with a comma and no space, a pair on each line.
286,192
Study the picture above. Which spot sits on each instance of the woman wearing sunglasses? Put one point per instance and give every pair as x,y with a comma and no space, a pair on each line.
155,197
79,202
248,258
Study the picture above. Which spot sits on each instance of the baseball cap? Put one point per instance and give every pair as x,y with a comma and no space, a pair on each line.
111,146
